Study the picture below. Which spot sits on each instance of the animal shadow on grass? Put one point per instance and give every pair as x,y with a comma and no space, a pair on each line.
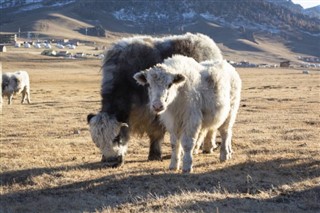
249,178
45,103
299,201
23,176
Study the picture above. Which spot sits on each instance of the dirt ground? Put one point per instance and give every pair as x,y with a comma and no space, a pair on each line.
48,162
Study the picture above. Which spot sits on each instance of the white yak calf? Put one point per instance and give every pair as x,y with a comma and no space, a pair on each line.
191,99
16,83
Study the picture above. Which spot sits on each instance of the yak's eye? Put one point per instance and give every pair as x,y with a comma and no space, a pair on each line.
169,85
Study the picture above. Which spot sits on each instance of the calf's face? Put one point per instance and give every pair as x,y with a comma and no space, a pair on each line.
105,133
162,86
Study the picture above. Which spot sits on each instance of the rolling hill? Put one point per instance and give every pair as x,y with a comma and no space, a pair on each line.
262,30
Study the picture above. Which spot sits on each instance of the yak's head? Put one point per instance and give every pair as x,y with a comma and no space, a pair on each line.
5,86
15,84
163,86
106,134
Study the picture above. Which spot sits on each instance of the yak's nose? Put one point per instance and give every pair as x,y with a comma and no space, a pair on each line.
157,107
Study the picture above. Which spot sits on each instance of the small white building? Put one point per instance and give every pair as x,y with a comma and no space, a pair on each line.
60,46
47,46
27,45
79,55
37,45
3,48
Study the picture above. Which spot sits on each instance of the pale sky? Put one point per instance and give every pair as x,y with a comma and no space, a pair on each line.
307,3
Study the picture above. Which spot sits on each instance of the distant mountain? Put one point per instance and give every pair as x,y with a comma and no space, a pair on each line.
287,4
313,11
231,22
24,5
264,15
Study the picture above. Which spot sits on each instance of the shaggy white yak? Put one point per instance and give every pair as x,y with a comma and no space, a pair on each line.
191,99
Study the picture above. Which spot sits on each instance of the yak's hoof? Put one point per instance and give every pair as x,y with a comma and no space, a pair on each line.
225,156
103,159
186,171
214,147
196,151
154,157
173,168
207,152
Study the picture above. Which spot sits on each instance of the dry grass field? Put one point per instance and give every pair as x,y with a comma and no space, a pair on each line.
48,162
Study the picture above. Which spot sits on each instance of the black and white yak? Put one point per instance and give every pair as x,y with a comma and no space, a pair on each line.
16,83
125,108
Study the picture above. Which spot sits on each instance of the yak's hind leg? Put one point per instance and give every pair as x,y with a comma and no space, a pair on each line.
200,141
226,137
210,141
226,147
28,95
24,94
156,136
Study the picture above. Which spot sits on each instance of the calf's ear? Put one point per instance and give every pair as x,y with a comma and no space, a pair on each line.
90,116
178,78
141,78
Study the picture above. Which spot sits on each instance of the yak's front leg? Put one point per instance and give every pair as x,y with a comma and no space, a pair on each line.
156,136
187,143
10,99
175,153
188,140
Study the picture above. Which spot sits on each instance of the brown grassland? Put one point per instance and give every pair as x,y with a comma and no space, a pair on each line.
48,162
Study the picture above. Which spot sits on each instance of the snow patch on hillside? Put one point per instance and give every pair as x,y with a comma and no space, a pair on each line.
28,5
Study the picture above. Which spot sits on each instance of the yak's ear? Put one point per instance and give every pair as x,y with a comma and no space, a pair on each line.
141,78
90,116
178,78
